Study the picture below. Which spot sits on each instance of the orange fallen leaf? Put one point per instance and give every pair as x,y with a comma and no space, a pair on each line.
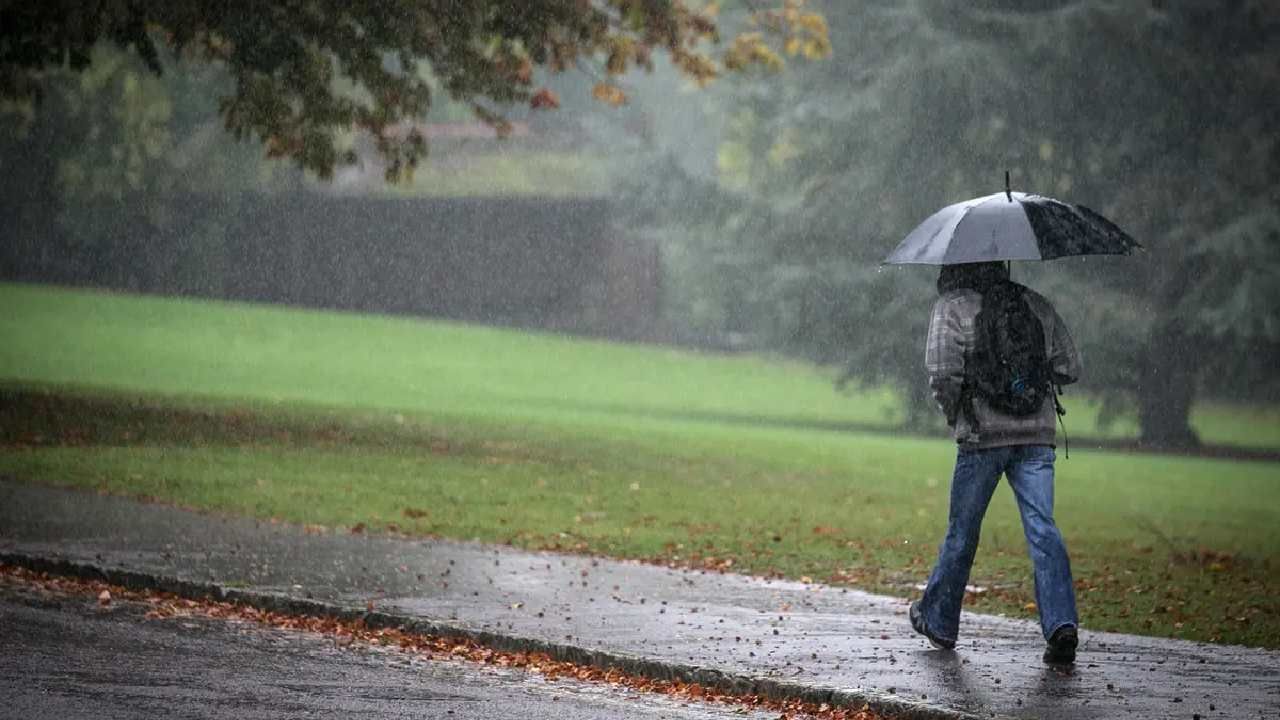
611,94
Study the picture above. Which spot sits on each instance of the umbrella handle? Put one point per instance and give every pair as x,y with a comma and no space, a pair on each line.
1007,192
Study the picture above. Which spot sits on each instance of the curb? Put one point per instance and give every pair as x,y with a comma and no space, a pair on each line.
733,683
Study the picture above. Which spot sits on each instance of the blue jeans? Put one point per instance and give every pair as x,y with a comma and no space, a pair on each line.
1030,472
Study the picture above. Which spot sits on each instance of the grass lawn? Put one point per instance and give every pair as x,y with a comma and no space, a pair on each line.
339,419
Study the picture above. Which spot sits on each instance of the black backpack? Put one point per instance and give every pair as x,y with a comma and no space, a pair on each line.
1008,367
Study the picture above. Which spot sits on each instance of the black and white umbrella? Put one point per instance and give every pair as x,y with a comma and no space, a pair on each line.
1010,226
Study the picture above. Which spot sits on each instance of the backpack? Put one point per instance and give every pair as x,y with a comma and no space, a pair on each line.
1008,366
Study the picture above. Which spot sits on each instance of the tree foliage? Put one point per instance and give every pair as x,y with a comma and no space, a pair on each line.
305,71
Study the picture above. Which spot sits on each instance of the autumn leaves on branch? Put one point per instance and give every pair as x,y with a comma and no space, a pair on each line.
305,75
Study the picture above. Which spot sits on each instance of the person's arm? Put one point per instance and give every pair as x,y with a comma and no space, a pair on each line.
944,358
1064,358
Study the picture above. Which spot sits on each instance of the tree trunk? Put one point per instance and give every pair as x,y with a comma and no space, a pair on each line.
1167,378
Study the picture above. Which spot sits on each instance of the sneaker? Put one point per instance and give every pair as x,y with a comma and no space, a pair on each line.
1062,646
917,624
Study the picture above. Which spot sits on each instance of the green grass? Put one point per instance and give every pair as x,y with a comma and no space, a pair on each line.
1220,424
243,351
544,442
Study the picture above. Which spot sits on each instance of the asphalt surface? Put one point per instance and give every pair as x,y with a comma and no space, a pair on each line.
791,635
67,658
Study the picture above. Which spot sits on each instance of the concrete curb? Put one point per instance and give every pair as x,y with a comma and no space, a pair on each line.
657,670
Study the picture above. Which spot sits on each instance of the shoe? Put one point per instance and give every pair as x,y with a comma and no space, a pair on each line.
917,624
1062,646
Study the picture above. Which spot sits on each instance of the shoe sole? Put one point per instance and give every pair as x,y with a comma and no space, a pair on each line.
917,624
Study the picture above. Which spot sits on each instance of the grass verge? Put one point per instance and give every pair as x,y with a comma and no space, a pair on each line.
1161,546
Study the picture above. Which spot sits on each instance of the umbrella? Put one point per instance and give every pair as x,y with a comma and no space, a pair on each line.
1010,226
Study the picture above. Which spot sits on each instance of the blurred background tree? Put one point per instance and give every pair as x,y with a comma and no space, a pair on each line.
109,162
1160,116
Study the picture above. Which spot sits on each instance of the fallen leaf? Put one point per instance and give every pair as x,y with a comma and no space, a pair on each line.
524,72
104,597
608,93
545,99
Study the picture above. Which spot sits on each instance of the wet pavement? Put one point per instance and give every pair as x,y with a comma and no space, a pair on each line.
68,658
792,635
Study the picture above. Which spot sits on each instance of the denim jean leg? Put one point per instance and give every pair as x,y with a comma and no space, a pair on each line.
1031,477
972,485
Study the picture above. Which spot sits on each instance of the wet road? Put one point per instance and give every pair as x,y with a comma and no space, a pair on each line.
68,658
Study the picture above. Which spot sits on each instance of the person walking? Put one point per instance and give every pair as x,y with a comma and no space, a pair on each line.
983,328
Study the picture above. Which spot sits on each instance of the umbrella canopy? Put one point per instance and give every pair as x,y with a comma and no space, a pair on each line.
1010,226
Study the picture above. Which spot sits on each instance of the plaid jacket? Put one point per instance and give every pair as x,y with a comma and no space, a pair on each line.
950,340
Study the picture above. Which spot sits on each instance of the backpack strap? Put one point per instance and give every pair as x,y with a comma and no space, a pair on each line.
966,405
1061,411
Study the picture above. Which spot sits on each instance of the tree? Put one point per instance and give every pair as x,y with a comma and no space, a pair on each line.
1157,115
1163,121
306,71
101,184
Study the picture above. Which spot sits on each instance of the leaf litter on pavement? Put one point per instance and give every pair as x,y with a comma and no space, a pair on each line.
355,633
